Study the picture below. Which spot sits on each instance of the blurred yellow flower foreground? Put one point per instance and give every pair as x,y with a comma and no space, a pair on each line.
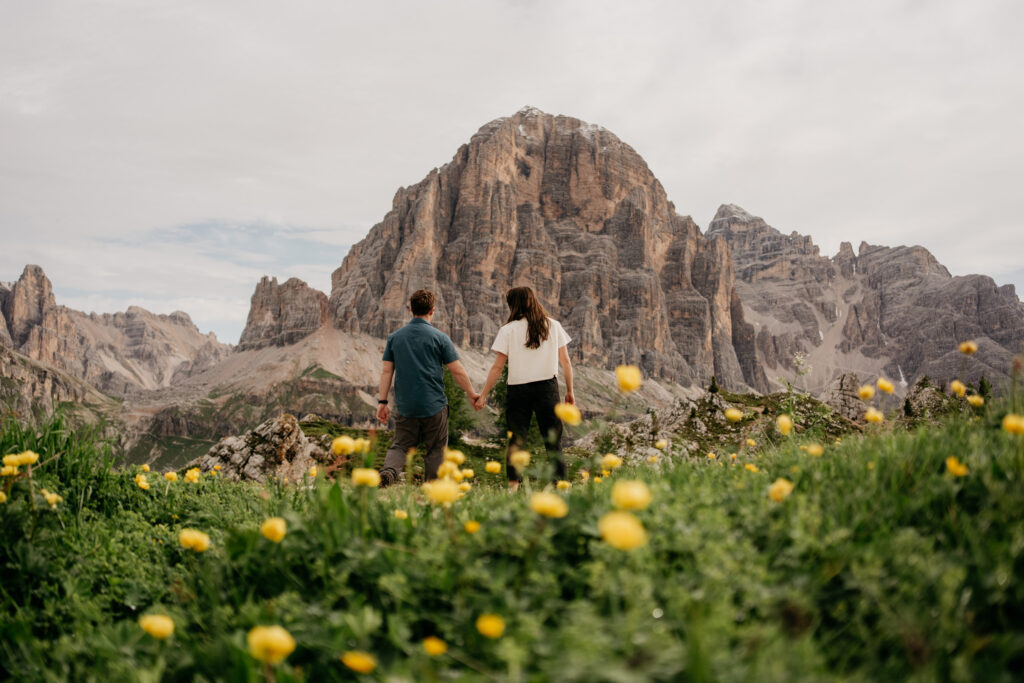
270,644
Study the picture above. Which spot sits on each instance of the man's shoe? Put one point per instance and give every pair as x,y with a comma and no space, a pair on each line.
388,477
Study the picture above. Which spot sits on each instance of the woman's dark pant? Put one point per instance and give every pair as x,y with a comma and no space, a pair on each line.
524,401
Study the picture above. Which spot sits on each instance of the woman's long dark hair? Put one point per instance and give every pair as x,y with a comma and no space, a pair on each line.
522,303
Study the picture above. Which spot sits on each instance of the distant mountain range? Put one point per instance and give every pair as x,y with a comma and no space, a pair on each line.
549,201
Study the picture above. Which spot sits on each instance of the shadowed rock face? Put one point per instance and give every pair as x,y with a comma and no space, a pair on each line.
882,310
282,314
567,208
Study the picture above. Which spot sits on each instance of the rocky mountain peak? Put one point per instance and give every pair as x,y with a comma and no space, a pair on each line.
282,314
565,207
24,305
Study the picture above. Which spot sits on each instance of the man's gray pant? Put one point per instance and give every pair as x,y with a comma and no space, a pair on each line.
410,432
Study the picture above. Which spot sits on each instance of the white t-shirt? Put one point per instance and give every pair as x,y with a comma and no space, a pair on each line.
530,365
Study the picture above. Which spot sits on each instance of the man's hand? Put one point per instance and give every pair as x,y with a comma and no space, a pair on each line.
480,402
383,413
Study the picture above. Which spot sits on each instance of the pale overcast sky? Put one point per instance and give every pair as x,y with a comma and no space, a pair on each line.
169,154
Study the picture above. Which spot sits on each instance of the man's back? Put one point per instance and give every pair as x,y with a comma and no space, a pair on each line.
419,351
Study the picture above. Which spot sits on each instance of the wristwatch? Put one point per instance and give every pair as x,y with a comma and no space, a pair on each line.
382,401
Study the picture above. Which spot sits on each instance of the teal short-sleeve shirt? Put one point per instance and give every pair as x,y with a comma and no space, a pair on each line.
419,351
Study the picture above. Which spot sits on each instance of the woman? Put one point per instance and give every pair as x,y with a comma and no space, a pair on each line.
534,346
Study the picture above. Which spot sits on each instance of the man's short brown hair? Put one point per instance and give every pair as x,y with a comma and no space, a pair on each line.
421,302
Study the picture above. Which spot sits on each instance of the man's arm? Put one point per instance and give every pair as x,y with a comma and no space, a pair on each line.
385,386
492,378
563,359
462,378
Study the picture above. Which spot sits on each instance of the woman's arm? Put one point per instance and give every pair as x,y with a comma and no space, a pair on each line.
492,378
563,359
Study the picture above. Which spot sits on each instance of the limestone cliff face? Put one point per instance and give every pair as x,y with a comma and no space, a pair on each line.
115,353
882,310
28,387
283,314
567,208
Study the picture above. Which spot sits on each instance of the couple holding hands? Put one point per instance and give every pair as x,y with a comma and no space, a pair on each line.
532,344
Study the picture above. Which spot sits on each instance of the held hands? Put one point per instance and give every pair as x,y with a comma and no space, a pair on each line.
479,402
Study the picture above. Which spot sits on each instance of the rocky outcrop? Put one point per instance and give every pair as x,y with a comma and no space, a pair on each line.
277,449
567,208
283,314
893,311
28,387
115,353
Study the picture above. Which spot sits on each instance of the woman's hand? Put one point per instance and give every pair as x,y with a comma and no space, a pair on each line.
570,398
480,402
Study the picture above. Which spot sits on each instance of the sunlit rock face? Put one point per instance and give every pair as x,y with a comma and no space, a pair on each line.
570,210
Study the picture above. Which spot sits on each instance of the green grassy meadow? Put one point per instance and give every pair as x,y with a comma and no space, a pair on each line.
880,565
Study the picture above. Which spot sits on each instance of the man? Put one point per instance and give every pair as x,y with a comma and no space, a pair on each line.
415,357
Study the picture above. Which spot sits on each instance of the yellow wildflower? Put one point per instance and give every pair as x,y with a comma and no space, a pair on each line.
661,444
955,467
958,388
866,392
622,530
733,414
568,413
194,540
712,456
465,486
628,378
313,471
366,476
145,468
815,449
448,470
3,497
751,467
468,473
274,529
270,644
885,385
472,526
549,504
605,473
976,400
732,456
1014,424
160,626
435,647
359,661
871,465
442,491
171,476
217,468
493,467
968,348
652,459
23,458
401,514
631,495
51,498
520,460
454,456
343,445
784,423
598,480
610,461
751,443
780,489
140,481
490,625
192,475
584,474
562,484
874,415
362,445
9,471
